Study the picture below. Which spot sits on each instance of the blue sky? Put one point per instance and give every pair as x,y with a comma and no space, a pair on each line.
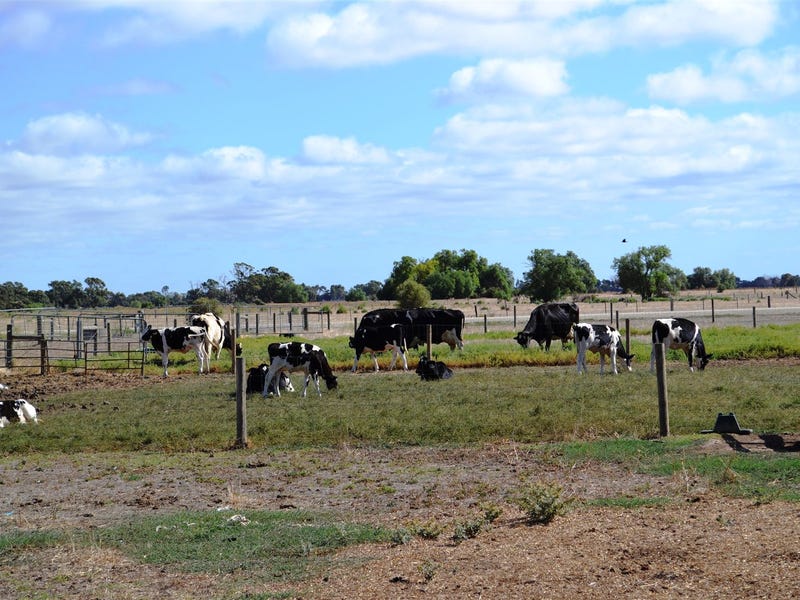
154,144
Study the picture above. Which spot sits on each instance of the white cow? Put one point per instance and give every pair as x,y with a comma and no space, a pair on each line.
217,332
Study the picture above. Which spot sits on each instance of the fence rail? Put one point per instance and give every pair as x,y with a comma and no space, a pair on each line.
99,340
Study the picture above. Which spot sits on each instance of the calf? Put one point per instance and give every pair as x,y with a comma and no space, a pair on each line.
602,339
218,334
379,339
299,356
433,370
179,339
17,410
257,375
682,334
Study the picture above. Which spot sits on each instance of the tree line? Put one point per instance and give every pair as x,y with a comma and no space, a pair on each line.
412,282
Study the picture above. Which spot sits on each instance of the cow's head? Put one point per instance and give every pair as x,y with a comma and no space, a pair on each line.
450,338
523,339
149,333
703,360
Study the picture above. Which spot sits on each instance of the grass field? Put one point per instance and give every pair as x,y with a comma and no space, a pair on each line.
501,395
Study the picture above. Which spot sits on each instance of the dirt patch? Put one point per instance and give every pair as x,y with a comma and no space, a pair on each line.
697,545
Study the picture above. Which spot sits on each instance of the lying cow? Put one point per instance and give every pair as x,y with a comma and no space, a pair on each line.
18,410
549,322
178,339
299,356
379,339
681,334
218,334
257,375
602,339
433,370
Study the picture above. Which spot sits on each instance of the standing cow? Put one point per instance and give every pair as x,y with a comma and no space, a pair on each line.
681,334
602,339
446,325
299,356
548,322
178,339
218,334
379,339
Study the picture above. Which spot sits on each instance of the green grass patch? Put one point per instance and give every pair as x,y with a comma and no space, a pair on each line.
278,545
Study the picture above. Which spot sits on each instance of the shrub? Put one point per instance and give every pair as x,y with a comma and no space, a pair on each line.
541,502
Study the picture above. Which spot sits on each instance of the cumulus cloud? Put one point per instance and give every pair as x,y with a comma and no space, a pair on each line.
385,32
79,133
749,75
499,78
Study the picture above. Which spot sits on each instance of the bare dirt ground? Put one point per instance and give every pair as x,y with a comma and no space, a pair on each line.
699,545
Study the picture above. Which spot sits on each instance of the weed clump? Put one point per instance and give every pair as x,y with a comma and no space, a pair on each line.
541,502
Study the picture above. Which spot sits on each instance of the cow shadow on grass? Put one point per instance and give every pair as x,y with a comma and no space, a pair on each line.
767,441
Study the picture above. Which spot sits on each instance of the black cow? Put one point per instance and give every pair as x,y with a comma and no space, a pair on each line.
17,410
299,356
433,370
682,334
446,325
548,322
379,339
602,339
179,339
257,375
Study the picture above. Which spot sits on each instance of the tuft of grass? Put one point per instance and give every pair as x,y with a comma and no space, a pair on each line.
541,502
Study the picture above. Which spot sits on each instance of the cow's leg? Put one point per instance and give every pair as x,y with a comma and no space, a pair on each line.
613,357
602,361
202,357
374,362
405,362
267,379
164,361
315,377
581,358
690,353
394,357
355,363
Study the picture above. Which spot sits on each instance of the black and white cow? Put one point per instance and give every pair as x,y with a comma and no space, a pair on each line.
548,322
446,325
681,334
178,339
218,334
433,370
256,377
17,410
299,356
379,339
602,339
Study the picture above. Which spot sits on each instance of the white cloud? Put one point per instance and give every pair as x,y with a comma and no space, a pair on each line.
138,87
385,32
749,75
333,150
499,78
78,133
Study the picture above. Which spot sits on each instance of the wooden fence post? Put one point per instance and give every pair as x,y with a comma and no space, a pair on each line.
429,332
9,345
241,403
661,379
712,311
754,317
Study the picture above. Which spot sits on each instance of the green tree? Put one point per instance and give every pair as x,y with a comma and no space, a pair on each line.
412,294
724,279
66,294
553,276
646,271
13,295
96,293
701,278
496,281
402,271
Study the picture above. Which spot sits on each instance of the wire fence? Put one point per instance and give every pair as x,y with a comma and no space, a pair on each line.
38,339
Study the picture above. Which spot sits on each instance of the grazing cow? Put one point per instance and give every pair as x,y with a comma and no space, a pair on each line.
446,325
602,339
433,370
178,339
218,333
256,377
17,410
379,339
299,356
548,322
681,334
